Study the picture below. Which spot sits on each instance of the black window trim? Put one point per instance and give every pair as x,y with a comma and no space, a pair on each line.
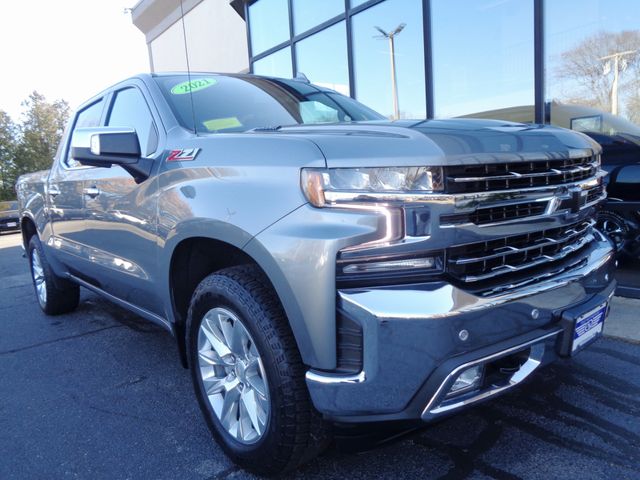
154,118
64,155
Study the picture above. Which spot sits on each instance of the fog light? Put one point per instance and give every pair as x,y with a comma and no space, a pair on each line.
469,379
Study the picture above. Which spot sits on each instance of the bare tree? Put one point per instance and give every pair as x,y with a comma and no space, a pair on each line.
604,66
633,108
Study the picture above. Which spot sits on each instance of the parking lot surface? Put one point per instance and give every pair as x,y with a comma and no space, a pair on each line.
99,393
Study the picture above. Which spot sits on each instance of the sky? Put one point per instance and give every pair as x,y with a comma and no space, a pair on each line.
66,49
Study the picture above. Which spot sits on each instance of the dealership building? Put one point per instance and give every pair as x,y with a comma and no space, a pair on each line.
574,63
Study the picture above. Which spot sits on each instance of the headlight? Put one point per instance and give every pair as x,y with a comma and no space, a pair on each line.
324,186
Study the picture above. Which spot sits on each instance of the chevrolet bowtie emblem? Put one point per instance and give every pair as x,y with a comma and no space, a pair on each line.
577,200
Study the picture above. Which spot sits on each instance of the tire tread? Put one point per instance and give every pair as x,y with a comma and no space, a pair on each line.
63,295
305,433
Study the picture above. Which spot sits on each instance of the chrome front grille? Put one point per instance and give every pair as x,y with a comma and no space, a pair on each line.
518,175
474,263
595,193
522,210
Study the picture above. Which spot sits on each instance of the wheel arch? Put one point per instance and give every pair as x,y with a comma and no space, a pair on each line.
28,229
191,258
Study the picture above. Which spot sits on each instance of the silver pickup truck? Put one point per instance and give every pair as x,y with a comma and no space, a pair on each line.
316,263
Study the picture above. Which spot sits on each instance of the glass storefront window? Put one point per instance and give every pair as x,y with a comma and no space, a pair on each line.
309,13
322,57
355,3
372,58
483,58
278,64
592,61
269,24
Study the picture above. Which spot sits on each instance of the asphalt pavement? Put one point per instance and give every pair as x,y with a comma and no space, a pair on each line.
100,393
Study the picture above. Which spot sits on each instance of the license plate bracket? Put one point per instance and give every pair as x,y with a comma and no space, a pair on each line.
582,329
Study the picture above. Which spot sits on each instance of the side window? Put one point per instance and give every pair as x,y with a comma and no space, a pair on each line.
317,112
131,110
87,117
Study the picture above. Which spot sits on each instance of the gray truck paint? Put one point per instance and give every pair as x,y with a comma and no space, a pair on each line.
244,189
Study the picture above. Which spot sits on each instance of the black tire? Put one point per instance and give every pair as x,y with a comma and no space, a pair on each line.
62,296
295,432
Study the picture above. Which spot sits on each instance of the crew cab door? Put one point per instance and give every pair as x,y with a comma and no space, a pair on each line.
65,197
120,214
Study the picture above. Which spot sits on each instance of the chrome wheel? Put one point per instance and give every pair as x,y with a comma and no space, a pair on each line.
233,375
38,277
614,227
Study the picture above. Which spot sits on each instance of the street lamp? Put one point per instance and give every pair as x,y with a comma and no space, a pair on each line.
616,74
392,57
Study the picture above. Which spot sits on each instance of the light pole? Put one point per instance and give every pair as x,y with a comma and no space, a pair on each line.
616,74
392,57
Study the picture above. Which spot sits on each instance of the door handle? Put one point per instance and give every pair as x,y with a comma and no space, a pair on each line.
92,192
53,191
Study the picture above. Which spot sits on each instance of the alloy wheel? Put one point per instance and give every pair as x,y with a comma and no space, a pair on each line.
38,277
615,229
233,375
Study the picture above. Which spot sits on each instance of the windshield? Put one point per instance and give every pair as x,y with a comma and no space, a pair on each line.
6,206
237,104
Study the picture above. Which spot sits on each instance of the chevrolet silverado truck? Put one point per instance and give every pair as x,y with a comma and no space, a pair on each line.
316,263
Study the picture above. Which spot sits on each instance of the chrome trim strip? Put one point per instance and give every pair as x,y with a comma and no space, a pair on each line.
506,268
517,176
332,378
512,250
533,362
547,274
334,198
551,210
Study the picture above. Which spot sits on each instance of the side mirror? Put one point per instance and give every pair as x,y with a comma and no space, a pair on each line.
107,146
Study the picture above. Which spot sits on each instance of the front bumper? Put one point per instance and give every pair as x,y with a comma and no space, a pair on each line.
9,225
412,340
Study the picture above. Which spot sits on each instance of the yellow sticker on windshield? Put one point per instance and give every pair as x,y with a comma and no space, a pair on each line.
221,123
192,86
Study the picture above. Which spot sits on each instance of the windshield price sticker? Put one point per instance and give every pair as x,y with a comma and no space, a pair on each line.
192,86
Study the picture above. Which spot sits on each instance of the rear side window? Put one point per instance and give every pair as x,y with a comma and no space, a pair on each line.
87,117
130,109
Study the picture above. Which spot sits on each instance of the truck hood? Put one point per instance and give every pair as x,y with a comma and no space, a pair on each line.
441,142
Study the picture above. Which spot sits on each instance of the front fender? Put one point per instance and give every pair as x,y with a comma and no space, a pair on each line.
298,254
193,228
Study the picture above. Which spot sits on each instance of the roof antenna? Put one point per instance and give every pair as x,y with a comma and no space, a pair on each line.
186,54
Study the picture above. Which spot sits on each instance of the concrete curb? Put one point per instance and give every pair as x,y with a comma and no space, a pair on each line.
624,319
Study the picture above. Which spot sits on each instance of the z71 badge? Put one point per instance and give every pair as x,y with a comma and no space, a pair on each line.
184,155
